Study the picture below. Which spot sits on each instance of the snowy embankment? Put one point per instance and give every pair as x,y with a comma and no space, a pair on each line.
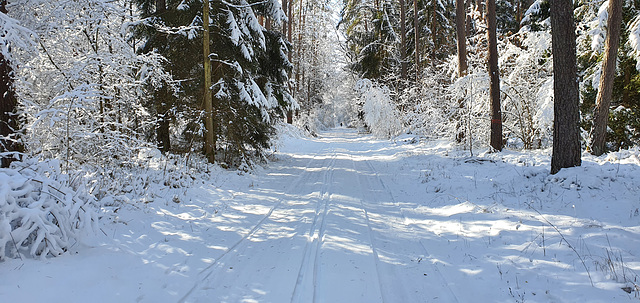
347,218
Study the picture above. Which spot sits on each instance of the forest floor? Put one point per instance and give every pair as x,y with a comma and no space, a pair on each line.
348,218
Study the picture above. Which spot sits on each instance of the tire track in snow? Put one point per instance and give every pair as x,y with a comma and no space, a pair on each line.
405,222
312,246
204,274
376,256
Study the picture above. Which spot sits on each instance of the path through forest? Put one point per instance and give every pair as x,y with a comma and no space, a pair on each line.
345,217
336,234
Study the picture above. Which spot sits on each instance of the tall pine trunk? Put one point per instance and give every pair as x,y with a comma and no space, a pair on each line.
8,107
566,138
417,36
162,102
605,89
209,136
403,43
494,76
434,38
290,53
461,37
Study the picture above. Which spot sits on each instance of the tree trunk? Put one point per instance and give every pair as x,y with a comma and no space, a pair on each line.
162,96
519,13
605,89
209,139
417,36
494,75
8,106
462,38
290,24
434,37
162,121
566,137
403,41
287,31
285,25
161,6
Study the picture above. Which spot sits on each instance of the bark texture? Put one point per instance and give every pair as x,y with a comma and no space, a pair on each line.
494,75
461,36
605,88
209,136
8,106
566,138
403,41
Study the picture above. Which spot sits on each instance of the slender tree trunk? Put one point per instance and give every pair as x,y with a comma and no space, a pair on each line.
519,12
434,19
290,53
8,107
299,52
494,75
162,119
605,89
403,41
285,25
290,24
209,140
162,99
462,38
417,36
566,137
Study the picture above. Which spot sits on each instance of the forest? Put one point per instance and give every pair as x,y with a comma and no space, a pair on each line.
94,91
319,150
90,82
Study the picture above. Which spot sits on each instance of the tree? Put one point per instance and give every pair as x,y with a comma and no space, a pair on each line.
494,75
566,138
416,38
403,39
8,104
605,88
209,141
461,17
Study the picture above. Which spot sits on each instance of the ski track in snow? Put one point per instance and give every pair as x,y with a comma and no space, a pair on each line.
348,218
342,244
208,271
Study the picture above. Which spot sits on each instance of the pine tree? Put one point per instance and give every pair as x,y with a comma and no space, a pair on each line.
566,139
9,140
494,75
461,37
605,89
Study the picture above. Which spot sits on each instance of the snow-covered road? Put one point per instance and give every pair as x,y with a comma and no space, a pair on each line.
336,234
348,218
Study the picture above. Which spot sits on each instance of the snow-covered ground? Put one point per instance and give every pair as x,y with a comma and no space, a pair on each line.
348,218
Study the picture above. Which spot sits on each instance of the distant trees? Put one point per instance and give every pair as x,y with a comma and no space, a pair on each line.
106,78
249,74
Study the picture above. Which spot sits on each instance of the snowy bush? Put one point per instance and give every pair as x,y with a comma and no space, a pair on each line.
40,217
527,85
429,110
380,114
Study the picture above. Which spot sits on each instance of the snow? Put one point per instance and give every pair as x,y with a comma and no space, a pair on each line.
634,39
349,218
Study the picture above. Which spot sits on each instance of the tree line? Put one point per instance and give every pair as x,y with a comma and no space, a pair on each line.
523,73
92,81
